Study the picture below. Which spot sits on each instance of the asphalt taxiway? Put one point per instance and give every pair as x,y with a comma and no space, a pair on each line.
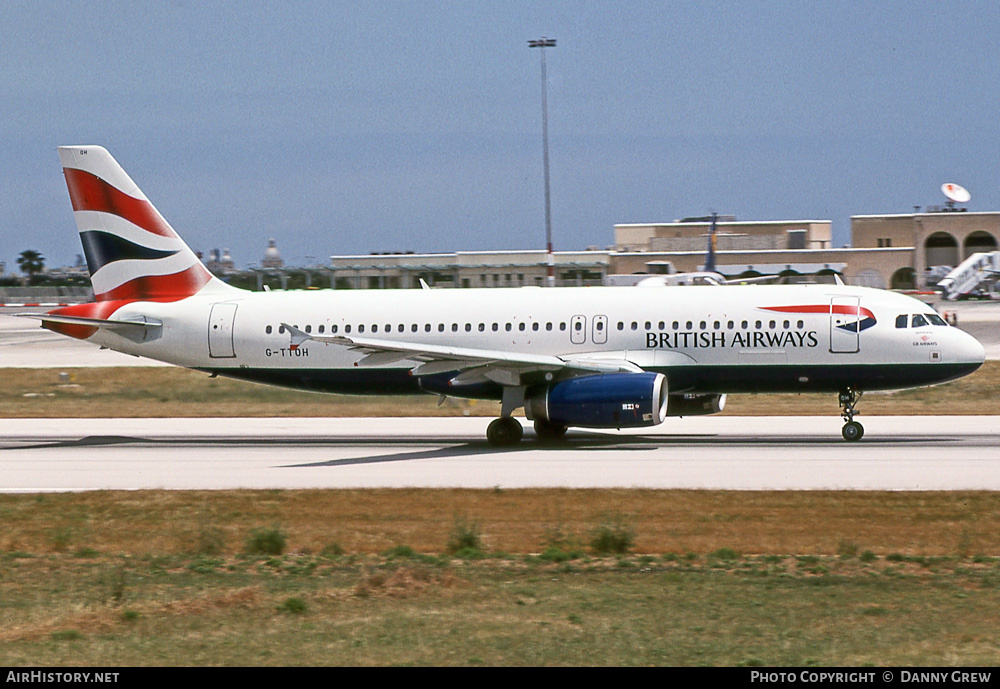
726,453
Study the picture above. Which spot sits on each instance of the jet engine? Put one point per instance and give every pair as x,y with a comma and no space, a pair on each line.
612,400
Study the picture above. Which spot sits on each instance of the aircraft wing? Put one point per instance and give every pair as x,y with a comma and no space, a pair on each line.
473,364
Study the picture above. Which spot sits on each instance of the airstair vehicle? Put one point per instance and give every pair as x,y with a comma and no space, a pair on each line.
977,269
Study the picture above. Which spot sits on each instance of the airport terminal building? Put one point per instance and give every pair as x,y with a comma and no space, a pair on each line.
897,251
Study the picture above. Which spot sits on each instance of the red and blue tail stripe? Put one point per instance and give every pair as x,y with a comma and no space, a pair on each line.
866,318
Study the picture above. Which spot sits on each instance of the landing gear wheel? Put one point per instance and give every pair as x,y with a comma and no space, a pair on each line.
849,398
548,431
853,431
504,432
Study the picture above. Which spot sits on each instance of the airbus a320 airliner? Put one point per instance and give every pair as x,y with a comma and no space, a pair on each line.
591,357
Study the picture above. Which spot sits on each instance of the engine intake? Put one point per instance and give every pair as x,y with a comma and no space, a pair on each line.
612,400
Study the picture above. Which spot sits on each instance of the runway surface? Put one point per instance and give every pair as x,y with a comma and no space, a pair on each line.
738,453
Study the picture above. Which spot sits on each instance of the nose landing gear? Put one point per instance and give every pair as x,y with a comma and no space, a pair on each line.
849,398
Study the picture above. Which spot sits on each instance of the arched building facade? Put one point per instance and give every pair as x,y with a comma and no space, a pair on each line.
936,240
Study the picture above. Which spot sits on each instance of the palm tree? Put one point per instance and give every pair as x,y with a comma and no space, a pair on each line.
31,263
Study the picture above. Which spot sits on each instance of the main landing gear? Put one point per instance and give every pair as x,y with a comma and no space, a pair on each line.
549,432
507,431
504,432
849,398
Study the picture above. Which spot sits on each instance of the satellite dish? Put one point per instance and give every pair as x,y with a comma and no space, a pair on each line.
955,193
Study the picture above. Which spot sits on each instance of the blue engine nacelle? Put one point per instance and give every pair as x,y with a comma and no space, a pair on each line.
612,400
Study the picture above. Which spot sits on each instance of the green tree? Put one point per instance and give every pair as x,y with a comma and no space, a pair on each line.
31,263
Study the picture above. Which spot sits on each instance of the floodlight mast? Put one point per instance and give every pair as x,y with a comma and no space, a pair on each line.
550,279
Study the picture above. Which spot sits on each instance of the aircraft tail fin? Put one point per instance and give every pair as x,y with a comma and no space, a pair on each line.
131,251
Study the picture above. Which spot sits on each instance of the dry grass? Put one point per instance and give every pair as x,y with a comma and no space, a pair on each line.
175,392
516,521
717,578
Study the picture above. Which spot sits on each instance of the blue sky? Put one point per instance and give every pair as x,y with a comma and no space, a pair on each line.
351,127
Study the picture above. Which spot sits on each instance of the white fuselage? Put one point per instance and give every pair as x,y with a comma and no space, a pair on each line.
704,339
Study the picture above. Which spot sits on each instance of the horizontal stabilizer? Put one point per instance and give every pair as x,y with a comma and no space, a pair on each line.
110,324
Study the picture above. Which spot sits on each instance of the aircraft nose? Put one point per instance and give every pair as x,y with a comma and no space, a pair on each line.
968,350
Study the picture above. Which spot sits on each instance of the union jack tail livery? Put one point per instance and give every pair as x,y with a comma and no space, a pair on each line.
132,252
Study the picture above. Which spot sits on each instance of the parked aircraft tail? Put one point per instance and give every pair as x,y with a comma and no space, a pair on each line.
132,252
710,252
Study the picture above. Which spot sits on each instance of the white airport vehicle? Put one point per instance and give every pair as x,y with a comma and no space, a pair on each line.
595,357
978,269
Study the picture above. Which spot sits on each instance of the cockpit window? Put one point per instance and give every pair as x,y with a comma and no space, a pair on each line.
918,320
